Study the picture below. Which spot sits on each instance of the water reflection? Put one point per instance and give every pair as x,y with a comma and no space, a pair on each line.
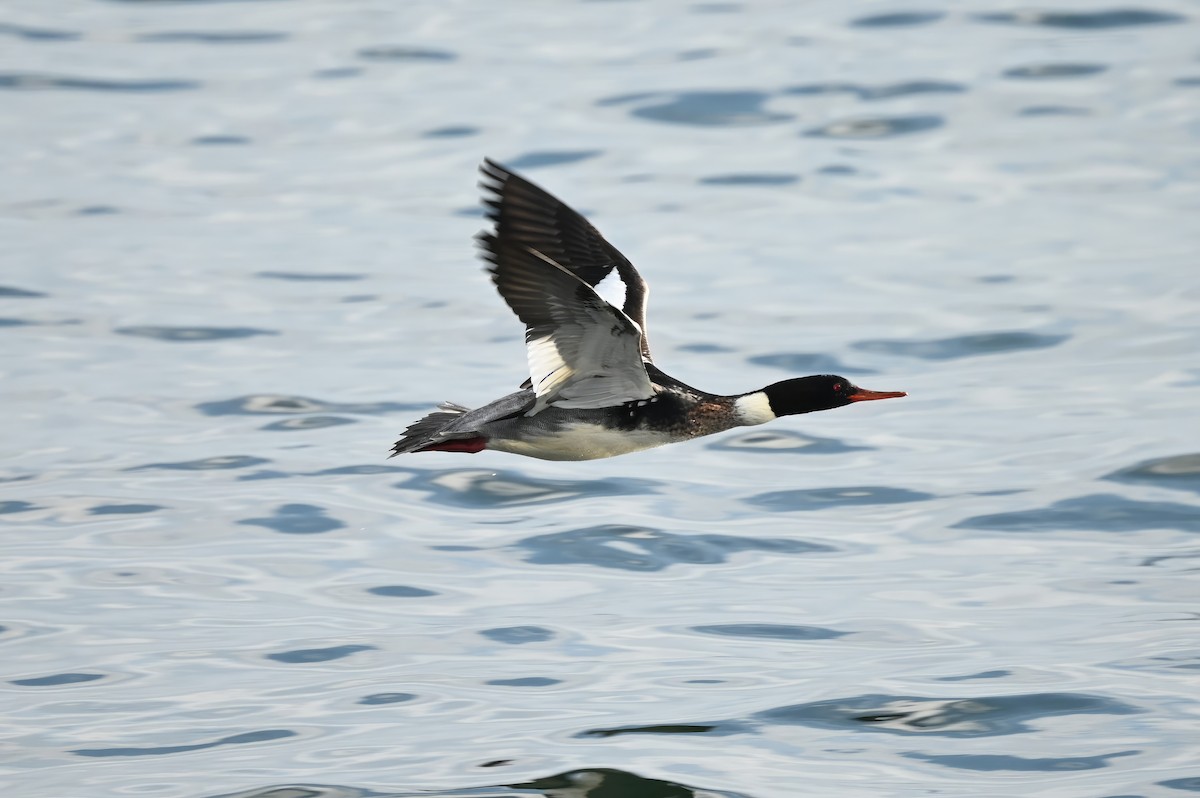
703,108
806,499
1102,512
478,488
982,716
631,548
1084,20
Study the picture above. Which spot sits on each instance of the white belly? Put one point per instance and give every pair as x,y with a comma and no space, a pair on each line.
581,442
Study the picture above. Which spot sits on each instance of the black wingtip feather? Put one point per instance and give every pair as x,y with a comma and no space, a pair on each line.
527,217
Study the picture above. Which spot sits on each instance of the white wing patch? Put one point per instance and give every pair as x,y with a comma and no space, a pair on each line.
612,289
547,369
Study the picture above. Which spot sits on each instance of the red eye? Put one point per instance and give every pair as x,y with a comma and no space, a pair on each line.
837,386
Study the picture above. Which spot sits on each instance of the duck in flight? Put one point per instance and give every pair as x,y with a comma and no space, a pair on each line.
593,389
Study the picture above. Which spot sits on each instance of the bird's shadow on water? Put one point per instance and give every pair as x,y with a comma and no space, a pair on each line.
481,489
976,716
640,548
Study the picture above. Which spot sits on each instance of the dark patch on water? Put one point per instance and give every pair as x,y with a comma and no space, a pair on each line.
1189,82
699,54
57,680
710,729
297,519
984,716
16,323
400,591
307,422
379,699
806,499
310,655
9,292
207,464
1002,762
1053,110
98,210
236,739
999,674
877,127
17,506
702,108
749,179
266,473
717,8
1100,512
898,19
806,363
518,635
124,509
1178,472
703,348
1170,663
540,158
402,53
837,169
885,92
783,441
337,73
1054,71
1085,20
990,343
311,277
477,488
528,681
451,132
274,404
190,334
610,783
220,141
38,81
632,548
1187,557
38,34
362,469
1189,784
213,37
770,631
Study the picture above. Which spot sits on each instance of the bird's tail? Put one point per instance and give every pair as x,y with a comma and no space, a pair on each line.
424,432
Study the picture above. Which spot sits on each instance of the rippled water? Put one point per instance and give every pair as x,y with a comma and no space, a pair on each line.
237,262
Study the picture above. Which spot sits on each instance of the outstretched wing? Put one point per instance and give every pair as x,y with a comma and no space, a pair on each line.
583,352
527,215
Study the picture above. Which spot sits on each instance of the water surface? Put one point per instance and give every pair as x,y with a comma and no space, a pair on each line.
237,263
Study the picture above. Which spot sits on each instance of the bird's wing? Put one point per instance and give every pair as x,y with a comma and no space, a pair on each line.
583,352
527,215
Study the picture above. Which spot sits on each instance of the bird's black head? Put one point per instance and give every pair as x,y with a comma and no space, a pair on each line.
820,392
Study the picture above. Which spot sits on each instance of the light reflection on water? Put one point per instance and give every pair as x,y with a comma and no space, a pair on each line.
237,263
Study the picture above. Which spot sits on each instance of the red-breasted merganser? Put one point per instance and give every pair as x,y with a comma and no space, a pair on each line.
593,390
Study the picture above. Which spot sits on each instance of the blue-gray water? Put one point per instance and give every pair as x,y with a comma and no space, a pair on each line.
236,258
